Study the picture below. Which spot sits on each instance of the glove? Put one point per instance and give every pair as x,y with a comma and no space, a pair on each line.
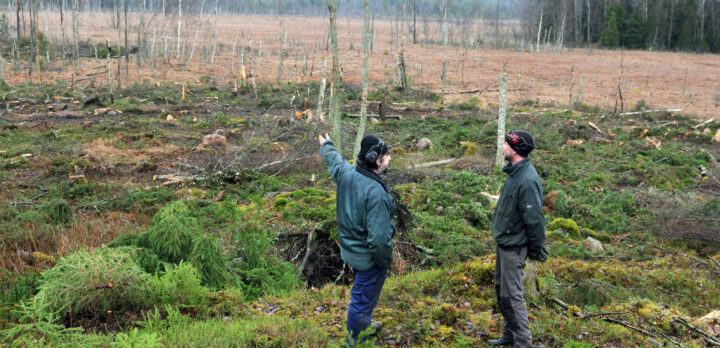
539,254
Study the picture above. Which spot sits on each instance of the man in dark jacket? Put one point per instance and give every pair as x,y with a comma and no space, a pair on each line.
365,212
519,232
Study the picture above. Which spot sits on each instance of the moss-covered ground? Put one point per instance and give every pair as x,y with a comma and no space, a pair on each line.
212,235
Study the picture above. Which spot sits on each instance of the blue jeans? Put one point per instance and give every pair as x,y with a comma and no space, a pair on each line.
364,299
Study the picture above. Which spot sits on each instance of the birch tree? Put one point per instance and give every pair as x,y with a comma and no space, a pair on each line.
501,122
366,55
334,103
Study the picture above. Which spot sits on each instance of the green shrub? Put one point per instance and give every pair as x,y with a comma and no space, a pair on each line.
172,231
136,339
142,200
92,282
179,286
207,257
58,212
260,271
35,327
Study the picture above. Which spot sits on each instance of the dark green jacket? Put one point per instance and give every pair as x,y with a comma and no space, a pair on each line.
365,212
519,218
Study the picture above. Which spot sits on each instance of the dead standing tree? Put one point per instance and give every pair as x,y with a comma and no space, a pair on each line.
501,122
335,86
445,42
366,55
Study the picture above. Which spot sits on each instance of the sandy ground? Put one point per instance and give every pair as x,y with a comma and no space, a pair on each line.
663,80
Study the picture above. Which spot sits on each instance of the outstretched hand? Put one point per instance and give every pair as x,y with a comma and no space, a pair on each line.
322,139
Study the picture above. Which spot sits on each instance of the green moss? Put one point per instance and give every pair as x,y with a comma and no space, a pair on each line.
566,225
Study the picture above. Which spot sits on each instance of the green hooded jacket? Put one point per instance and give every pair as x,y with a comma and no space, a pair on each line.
365,212
519,218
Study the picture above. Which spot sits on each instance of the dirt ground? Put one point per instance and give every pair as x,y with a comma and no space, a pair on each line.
664,80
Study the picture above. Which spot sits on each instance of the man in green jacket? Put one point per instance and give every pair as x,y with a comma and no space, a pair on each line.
519,232
365,212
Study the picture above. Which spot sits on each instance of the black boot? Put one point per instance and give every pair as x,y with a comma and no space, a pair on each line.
502,341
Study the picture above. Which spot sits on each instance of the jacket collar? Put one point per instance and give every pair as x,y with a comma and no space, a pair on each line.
511,170
370,174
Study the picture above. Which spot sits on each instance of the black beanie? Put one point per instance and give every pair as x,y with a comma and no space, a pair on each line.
524,146
371,143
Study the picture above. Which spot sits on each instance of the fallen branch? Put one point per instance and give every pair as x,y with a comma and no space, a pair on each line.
430,164
595,127
703,123
714,341
592,315
374,116
629,326
308,251
649,111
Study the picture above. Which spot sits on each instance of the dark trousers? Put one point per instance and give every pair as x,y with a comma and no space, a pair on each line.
509,272
364,299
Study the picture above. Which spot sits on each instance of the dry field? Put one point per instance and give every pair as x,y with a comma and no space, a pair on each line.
663,80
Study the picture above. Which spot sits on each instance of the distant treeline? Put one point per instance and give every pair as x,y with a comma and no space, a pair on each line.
685,25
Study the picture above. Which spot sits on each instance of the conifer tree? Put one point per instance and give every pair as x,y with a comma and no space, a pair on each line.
610,34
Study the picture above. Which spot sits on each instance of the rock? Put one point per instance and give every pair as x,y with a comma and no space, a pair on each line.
212,140
593,245
424,144
112,113
440,209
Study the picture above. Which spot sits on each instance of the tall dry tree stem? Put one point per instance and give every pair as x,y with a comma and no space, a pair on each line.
232,61
109,71
76,39
323,85
501,123
164,33
62,32
537,44
572,81
445,40
127,49
177,55
2,68
366,56
578,99
212,58
336,132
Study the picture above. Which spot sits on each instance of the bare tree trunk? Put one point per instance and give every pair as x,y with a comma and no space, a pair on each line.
177,55
164,33
414,22
62,32
212,59
537,45
366,56
669,42
109,71
561,34
232,61
141,31
197,31
17,24
702,23
589,24
579,93
323,85
334,103
37,40
282,56
152,54
76,38
445,39
499,155
497,24
127,49
572,78
2,68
